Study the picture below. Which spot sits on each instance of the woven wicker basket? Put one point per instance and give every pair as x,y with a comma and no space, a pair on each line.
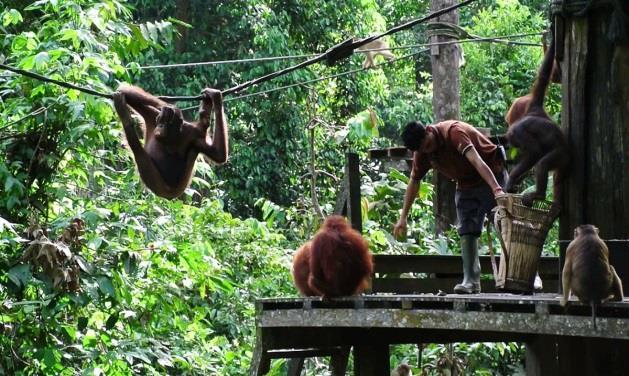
522,231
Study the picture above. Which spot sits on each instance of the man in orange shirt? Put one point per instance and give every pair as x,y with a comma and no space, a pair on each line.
463,154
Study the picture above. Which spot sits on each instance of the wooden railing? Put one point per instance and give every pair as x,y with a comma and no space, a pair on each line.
417,274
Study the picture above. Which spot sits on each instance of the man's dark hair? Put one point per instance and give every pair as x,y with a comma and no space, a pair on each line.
413,135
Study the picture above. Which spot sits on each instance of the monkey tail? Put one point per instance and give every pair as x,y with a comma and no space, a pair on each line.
594,304
543,78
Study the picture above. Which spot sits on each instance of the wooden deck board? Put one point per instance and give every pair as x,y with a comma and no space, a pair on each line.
538,314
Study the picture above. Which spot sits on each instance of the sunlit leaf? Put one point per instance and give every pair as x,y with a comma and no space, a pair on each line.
140,355
70,331
27,63
11,17
19,43
165,362
71,35
41,59
395,174
7,226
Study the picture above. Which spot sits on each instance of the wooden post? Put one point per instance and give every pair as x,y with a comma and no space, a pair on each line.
446,105
348,198
182,10
573,123
541,356
592,356
260,362
338,361
371,360
295,366
352,174
594,117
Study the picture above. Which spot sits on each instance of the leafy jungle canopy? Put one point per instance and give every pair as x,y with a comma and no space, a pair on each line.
99,276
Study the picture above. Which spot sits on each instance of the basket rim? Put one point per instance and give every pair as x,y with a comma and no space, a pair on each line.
519,197
512,205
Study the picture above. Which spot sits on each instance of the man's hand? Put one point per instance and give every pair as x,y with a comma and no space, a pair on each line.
498,191
400,228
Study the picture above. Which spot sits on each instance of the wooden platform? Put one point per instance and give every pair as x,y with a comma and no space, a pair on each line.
507,316
372,322
408,304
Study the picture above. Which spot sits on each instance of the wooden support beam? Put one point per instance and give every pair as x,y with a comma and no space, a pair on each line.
541,356
339,356
339,360
295,365
446,264
480,316
352,174
348,198
434,285
260,363
594,117
592,357
371,359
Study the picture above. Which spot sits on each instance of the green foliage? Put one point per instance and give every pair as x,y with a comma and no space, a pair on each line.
484,358
360,129
167,287
155,272
385,197
495,74
268,133
46,127
461,358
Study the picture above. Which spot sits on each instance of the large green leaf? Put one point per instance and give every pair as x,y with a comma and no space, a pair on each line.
20,275
106,286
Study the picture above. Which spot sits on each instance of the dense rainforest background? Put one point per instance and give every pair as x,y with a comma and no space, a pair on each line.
100,276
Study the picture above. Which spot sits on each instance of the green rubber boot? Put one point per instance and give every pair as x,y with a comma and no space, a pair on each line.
471,266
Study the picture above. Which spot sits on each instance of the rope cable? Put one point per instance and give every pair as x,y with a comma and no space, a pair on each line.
316,79
331,54
290,57
487,39
218,62
60,83
498,39
417,21
352,71
32,114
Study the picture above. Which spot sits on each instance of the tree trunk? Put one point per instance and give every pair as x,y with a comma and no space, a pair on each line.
446,105
183,7
595,118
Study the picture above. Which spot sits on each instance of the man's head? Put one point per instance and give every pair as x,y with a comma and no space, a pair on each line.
415,137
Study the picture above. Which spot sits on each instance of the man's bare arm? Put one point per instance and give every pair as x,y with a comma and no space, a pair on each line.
483,170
